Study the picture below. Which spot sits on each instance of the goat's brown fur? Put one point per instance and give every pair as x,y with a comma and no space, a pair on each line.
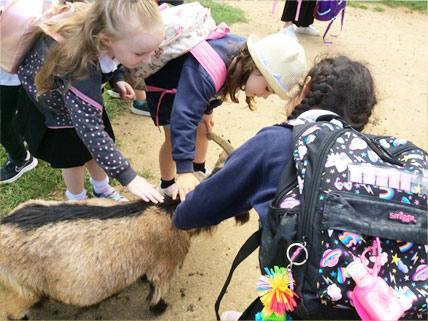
82,262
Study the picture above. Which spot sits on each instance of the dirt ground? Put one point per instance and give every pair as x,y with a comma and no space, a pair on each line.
394,45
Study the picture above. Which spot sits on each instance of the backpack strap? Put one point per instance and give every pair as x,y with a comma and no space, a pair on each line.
212,63
330,117
329,25
210,59
274,6
163,92
299,4
249,247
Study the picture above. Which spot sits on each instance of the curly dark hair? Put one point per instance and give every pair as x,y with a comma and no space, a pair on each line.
342,86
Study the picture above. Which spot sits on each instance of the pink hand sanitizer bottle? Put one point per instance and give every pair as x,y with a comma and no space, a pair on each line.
373,298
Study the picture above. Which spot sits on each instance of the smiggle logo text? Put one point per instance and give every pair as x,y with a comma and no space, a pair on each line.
405,218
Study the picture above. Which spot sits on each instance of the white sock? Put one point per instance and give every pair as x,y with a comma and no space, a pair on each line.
75,197
99,186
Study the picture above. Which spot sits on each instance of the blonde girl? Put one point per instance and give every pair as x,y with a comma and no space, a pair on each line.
64,75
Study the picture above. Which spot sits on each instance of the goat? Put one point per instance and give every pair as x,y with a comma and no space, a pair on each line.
81,253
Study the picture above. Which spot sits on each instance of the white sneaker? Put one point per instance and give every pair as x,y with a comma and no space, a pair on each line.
230,315
310,31
113,93
166,191
201,175
289,31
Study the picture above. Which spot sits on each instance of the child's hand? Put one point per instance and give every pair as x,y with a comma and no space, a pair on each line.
125,90
185,183
209,122
143,189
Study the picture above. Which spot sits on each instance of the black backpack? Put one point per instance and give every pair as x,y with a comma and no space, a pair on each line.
340,191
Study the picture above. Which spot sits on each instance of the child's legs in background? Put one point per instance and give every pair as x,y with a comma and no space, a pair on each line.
10,138
100,182
201,144
96,172
140,95
74,179
166,163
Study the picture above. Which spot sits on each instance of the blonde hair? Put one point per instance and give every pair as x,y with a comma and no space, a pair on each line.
82,33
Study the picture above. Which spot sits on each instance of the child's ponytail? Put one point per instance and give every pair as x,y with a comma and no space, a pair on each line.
342,86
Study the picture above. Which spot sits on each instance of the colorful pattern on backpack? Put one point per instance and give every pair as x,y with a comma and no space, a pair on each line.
186,26
346,194
328,11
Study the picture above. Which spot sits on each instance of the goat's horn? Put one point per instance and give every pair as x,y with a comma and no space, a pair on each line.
228,148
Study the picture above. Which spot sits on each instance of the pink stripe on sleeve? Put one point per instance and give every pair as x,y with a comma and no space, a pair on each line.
86,98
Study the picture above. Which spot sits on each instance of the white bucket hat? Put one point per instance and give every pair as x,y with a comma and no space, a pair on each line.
280,59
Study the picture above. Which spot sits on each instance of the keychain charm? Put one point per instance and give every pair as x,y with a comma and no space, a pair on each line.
276,288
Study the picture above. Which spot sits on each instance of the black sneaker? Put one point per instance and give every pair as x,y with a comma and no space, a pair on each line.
12,170
142,110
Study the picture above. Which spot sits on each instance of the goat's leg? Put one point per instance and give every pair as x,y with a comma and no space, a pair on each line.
159,285
13,304
159,307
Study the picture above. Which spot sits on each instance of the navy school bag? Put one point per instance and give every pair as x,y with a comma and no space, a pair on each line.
340,192
328,11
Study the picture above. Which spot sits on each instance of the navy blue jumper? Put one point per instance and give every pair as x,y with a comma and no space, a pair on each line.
196,95
249,179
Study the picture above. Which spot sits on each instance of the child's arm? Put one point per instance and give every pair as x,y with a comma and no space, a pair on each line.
86,114
248,179
122,87
125,90
84,103
194,92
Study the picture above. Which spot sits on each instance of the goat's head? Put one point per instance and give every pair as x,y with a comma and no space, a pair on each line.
227,149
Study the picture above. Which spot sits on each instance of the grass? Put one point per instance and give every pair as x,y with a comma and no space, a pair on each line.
356,4
45,182
222,12
412,5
